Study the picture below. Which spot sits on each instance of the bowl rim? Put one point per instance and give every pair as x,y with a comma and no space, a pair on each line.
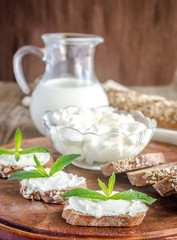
152,121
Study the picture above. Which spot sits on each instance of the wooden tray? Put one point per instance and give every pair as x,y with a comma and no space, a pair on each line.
24,219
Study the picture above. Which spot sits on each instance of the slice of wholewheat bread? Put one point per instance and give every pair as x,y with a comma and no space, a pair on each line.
129,164
152,175
7,171
52,196
77,218
167,186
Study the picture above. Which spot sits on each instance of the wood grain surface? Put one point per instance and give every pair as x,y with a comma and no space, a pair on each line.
24,219
140,36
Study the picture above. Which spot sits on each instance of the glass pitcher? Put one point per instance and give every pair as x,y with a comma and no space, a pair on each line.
69,77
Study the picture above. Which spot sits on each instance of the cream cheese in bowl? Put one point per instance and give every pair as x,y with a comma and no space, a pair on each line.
101,135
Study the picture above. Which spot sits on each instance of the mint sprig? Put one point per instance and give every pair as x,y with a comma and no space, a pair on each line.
39,171
17,152
126,195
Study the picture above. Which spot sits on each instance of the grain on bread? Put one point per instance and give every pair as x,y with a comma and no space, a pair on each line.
129,164
152,175
77,218
166,186
163,110
52,196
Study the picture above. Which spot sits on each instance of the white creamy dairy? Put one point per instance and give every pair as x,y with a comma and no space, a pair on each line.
58,181
101,135
98,208
59,93
25,159
98,121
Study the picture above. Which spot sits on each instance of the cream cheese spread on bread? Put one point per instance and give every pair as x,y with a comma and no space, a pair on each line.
25,159
58,181
99,208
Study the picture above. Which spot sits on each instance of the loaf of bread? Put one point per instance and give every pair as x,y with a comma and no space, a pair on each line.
149,176
129,164
167,186
77,218
159,108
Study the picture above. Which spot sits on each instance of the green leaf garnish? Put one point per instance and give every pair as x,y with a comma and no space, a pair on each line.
6,151
126,195
111,184
61,162
17,152
18,139
17,156
84,193
40,168
133,195
20,175
39,171
34,150
103,187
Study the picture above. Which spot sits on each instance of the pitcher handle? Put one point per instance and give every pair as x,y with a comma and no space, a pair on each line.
17,64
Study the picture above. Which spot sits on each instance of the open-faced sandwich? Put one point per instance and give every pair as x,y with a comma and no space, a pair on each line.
12,160
86,207
50,183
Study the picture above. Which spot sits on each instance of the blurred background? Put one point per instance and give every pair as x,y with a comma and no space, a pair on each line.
140,45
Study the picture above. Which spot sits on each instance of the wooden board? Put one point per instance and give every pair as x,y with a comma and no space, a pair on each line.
24,219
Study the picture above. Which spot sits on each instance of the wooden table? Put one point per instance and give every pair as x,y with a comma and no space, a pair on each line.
13,114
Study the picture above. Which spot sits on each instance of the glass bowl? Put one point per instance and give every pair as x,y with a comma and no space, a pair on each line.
97,150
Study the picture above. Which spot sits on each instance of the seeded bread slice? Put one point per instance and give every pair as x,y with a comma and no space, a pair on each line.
77,218
52,196
129,164
152,175
7,171
167,186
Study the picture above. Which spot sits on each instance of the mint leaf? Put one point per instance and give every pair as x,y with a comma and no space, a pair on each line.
133,195
18,139
17,156
34,150
84,193
62,162
19,175
40,167
103,187
6,151
111,184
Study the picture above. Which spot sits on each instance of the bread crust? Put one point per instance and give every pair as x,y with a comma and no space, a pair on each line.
77,218
52,196
163,110
129,164
152,175
7,171
167,186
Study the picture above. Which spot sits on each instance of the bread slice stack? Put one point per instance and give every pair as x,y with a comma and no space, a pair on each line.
147,169
152,175
167,186
130,164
